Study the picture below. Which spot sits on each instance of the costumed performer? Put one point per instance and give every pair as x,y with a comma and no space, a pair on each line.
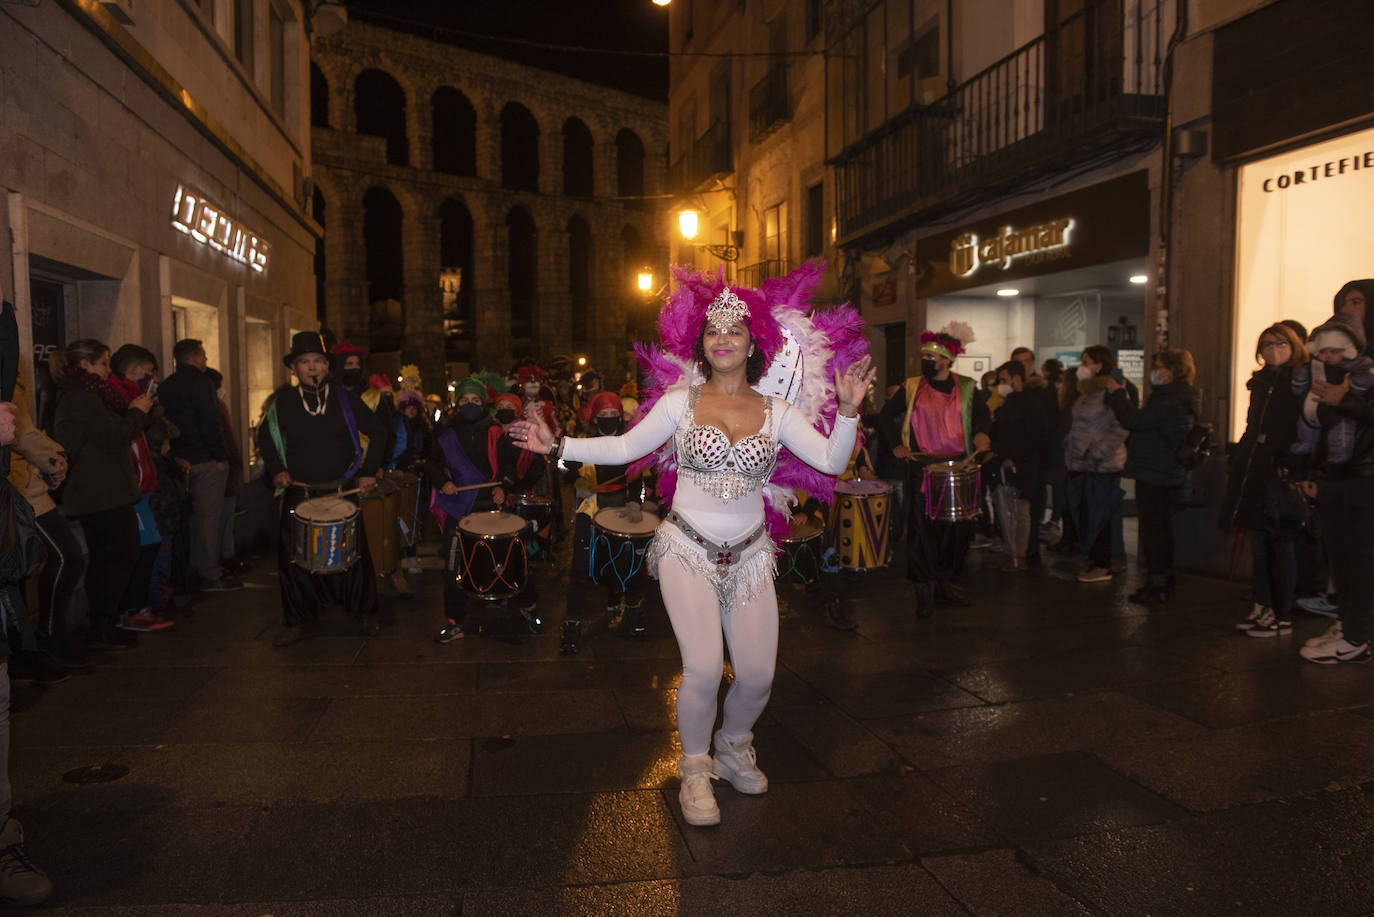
311,442
413,441
464,453
608,488
713,554
940,419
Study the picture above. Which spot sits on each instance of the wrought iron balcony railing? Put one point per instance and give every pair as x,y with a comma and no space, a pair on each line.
769,106
1087,90
752,275
708,158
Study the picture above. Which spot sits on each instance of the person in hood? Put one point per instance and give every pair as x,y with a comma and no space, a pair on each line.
1354,298
1157,430
1338,346
608,486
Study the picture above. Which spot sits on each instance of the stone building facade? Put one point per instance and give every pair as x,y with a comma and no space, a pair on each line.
524,202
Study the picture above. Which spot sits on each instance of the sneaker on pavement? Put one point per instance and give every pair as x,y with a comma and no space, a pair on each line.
1256,612
412,565
223,584
37,669
21,882
1333,631
111,637
736,763
532,619
1095,575
697,797
450,632
1270,625
1334,650
145,621
1320,604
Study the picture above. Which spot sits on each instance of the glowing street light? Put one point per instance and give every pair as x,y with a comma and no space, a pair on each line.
687,223
662,2
645,280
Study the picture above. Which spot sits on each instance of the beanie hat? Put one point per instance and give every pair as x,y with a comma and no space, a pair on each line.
1339,332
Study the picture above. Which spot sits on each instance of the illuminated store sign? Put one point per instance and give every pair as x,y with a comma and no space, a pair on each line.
208,224
1039,243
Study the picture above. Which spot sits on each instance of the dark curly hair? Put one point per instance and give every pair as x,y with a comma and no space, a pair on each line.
754,367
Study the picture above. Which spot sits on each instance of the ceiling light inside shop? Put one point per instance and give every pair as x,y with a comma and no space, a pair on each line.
1008,292
1139,278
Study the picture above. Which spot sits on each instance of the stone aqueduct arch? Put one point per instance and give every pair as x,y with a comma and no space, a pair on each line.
345,309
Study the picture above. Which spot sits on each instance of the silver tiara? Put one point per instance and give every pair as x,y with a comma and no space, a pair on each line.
726,309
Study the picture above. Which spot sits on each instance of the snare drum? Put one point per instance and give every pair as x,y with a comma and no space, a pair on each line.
325,533
618,543
801,554
858,524
951,491
380,506
490,558
536,510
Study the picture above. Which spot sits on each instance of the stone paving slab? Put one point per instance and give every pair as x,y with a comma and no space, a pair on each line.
1239,698
1060,795
1047,676
115,721
475,716
1008,731
1298,856
886,694
844,746
996,883
1254,763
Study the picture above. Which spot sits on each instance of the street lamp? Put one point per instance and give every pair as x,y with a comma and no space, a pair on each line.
645,279
662,2
687,224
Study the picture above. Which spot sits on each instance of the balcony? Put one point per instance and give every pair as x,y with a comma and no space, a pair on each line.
708,159
769,106
1079,95
753,275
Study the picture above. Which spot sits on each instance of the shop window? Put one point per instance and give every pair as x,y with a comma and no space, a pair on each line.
522,265
455,132
380,106
577,159
319,97
579,275
629,168
456,279
519,148
815,219
775,247
321,288
382,242
262,367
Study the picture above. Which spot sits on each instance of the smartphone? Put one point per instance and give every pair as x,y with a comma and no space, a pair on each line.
152,388
1119,376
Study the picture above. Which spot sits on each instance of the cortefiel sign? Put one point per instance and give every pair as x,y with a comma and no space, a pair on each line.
208,224
1302,231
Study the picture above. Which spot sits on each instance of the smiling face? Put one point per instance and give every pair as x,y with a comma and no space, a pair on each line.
728,348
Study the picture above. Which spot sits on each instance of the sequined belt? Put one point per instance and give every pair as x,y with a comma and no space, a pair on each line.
724,555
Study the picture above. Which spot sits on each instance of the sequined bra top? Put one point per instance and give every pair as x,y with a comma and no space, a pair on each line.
725,470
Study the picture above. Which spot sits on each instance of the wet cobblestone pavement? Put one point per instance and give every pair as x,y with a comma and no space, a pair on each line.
1051,750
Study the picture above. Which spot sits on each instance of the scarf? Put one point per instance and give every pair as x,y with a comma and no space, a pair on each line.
77,377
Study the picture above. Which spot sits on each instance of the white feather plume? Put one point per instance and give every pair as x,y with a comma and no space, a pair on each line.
960,331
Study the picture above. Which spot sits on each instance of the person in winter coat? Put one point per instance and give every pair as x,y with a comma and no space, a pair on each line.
1157,431
96,426
37,466
1259,499
1094,454
1020,438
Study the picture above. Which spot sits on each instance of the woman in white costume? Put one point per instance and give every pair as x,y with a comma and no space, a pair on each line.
712,554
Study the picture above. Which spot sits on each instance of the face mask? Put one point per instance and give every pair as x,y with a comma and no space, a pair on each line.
1157,377
505,416
351,377
469,412
608,426
928,367
1083,373
1003,389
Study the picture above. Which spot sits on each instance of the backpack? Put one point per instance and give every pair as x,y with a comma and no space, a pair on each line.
1198,444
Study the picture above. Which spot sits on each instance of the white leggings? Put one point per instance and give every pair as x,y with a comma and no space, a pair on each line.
751,630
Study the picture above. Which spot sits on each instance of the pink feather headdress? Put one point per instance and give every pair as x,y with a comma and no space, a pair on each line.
804,350
949,342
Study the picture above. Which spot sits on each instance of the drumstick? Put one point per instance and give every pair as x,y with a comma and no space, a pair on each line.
479,486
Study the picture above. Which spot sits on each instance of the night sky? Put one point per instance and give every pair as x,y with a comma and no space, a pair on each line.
622,24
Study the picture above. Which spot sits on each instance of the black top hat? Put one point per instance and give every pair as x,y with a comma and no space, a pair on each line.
304,342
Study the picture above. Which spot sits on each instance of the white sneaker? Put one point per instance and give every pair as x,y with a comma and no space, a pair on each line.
696,796
1256,612
1335,650
736,763
1319,605
413,566
1333,631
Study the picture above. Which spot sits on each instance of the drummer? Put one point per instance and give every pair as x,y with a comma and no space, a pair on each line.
311,441
608,487
935,416
520,473
413,438
465,453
